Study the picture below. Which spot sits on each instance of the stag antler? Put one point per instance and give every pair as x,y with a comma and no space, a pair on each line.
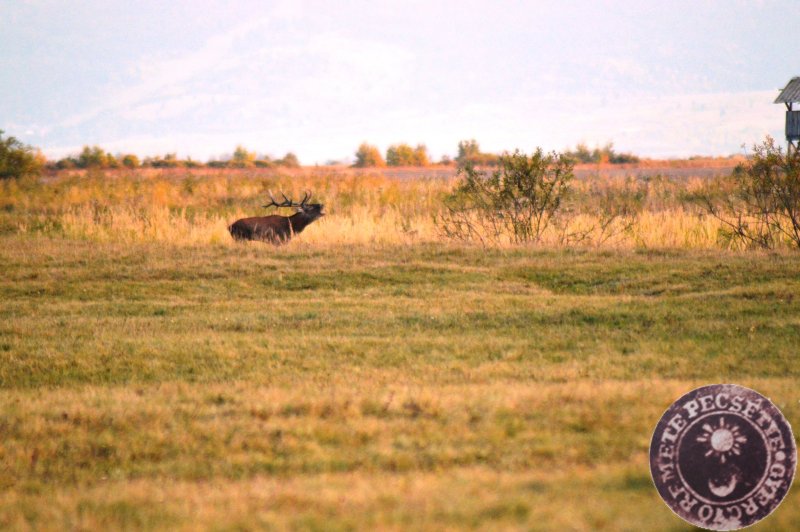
287,202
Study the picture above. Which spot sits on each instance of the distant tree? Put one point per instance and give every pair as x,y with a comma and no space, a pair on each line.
289,160
446,160
92,157
111,161
400,155
191,163
242,158
18,159
621,158
582,154
130,161
368,156
171,161
467,150
469,153
421,155
264,162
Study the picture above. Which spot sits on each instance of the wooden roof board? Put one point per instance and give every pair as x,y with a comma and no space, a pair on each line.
790,93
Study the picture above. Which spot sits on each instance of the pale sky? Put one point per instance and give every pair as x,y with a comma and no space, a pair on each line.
658,78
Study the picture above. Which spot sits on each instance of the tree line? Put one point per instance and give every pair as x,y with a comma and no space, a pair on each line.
96,157
469,152
369,156
606,154
18,159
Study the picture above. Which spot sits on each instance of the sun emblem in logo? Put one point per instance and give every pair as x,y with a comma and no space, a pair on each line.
723,441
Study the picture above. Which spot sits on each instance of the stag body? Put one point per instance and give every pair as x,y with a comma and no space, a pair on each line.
277,229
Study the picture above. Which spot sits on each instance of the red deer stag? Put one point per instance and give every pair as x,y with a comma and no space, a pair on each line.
277,229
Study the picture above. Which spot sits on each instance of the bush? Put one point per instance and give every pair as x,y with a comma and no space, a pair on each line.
18,159
368,156
521,199
759,203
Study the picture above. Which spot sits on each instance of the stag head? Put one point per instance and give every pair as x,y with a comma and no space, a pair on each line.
312,210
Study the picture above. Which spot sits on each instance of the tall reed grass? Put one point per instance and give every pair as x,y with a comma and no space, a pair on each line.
191,208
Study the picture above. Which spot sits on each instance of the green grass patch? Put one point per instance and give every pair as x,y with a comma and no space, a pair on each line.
151,386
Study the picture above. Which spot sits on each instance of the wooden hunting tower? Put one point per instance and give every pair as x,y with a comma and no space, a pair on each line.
789,95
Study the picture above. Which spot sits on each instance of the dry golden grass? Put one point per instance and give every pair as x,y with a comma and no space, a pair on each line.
195,207
363,225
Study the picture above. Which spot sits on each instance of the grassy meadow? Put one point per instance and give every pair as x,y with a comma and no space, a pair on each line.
370,374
